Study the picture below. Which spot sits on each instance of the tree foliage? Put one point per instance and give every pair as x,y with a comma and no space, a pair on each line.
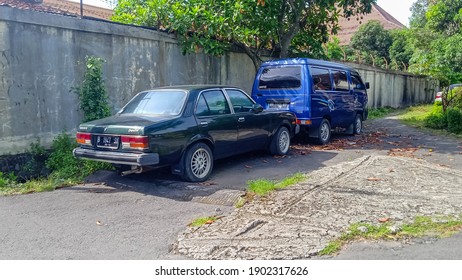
401,49
373,40
92,93
284,27
436,44
444,16
418,11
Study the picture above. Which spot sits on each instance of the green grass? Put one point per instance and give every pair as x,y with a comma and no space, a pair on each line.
440,227
415,115
262,186
35,185
380,112
202,221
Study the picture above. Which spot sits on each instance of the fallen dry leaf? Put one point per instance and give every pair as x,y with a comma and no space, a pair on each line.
384,220
374,179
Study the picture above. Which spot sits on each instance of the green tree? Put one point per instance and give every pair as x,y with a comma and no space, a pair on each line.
418,17
333,50
283,27
372,39
445,16
401,49
436,45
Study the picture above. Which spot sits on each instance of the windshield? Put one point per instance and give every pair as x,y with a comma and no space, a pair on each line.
163,102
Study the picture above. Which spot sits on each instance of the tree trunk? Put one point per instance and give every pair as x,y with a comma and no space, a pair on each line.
256,59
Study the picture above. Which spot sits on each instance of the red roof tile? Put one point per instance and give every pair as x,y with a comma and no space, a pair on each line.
59,7
349,27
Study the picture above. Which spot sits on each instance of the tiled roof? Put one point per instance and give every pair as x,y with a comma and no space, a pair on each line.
349,27
32,5
74,8
59,7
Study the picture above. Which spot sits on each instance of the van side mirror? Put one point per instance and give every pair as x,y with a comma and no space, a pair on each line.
257,108
368,85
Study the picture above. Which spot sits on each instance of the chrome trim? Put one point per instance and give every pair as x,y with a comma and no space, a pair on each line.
136,159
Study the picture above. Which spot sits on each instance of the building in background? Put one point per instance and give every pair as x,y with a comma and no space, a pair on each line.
348,27
62,7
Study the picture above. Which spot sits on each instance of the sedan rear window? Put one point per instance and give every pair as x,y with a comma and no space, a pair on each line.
156,103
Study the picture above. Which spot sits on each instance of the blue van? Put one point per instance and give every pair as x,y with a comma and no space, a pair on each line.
324,95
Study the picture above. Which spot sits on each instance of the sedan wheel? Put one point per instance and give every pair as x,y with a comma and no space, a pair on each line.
198,163
280,143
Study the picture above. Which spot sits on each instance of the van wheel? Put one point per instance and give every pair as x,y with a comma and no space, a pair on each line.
280,143
324,132
357,125
198,163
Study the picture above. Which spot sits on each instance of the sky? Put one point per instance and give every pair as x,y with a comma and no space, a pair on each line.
399,9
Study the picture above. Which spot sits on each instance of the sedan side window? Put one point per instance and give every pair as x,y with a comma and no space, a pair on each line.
202,108
240,101
211,103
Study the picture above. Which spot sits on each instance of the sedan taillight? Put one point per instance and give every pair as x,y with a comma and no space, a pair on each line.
135,142
83,138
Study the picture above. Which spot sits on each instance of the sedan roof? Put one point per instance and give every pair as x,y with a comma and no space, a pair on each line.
193,87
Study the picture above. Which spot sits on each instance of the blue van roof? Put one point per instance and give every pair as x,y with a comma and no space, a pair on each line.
308,61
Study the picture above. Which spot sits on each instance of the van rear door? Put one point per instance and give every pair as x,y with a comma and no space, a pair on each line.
280,87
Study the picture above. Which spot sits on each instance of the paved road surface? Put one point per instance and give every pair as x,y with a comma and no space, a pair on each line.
140,216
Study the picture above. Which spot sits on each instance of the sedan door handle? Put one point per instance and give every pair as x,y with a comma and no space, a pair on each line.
241,119
204,123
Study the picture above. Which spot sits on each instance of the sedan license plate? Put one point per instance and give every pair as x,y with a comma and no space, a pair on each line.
107,141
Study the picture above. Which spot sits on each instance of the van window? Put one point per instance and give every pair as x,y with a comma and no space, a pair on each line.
356,82
340,80
321,79
280,77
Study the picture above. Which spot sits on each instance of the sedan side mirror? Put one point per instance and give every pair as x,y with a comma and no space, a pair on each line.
257,108
368,85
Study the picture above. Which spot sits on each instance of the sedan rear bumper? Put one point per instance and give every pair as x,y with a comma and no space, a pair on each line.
141,159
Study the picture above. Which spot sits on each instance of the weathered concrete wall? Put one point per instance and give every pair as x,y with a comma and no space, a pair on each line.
41,59
42,55
395,88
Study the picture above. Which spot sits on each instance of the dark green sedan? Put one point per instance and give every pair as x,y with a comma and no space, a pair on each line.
187,128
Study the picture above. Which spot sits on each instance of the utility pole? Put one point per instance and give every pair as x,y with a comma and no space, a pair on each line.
81,8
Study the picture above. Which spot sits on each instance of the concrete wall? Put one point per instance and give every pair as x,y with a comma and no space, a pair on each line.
41,59
395,88
42,55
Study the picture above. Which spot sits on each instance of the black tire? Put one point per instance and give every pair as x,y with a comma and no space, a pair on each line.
280,143
198,163
324,132
358,124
